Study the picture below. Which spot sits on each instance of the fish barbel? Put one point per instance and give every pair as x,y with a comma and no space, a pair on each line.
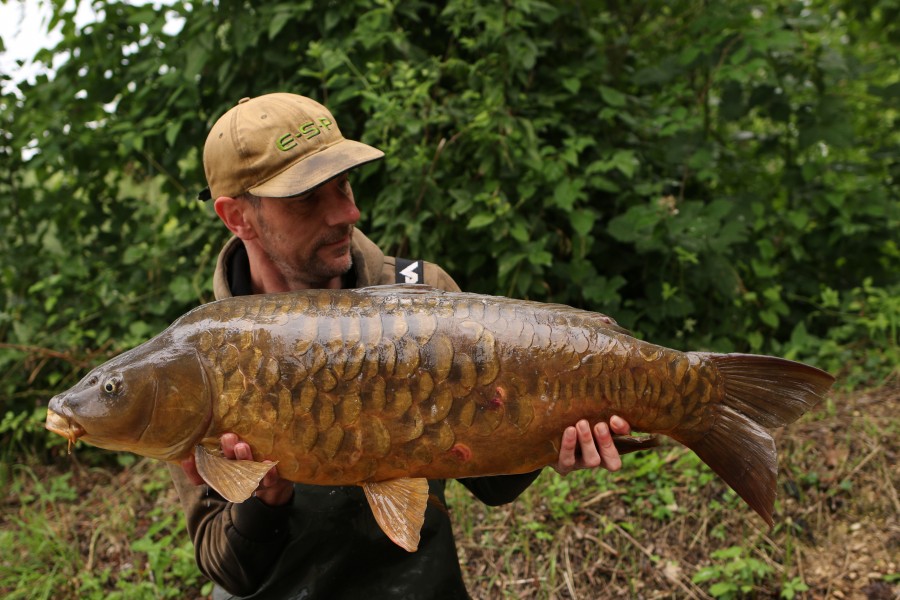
388,386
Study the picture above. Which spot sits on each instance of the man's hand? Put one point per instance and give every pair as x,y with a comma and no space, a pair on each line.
597,447
272,490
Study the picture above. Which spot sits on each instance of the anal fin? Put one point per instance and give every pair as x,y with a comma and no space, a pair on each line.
399,509
235,480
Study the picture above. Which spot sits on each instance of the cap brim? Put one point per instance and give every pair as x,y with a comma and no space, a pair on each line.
315,170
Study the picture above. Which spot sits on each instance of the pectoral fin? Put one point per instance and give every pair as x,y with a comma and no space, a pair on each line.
626,444
235,480
399,509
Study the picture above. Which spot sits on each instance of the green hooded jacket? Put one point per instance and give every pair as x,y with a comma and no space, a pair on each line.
325,543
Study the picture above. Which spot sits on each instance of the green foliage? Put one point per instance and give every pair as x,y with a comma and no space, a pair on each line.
734,575
867,340
62,550
716,176
791,588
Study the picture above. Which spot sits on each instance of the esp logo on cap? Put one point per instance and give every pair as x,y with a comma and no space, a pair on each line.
305,131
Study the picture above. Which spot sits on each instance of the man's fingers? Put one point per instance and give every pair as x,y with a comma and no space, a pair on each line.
619,425
228,441
242,451
608,452
567,451
271,477
589,456
190,469
570,438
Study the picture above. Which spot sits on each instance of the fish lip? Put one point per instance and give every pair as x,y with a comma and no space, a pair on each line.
64,426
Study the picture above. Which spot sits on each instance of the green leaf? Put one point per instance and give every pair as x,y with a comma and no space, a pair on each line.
769,318
566,193
182,290
481,220
625,162
723,588
612,97
637,224
278,22
172,131
572,84
582,221
508,262
541,257
519,231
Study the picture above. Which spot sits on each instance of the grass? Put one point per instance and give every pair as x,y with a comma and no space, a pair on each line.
662,527
94,533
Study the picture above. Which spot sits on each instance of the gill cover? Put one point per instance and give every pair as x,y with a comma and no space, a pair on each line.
151,400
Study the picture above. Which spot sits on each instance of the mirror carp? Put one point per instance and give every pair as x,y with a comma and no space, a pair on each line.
388,386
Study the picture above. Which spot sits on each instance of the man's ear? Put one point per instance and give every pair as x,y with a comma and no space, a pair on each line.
234,213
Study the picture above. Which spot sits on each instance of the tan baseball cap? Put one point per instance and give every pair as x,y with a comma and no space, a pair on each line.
278,145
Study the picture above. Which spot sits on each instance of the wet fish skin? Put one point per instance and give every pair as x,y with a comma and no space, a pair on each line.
398,382
386,386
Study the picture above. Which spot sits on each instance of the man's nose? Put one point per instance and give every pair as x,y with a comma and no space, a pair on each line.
339,206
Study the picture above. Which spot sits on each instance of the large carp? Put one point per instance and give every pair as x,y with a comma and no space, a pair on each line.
386,386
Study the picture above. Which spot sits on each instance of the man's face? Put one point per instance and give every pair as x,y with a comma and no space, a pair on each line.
307,237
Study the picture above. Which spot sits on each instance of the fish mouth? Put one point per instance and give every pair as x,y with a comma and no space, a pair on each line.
64,426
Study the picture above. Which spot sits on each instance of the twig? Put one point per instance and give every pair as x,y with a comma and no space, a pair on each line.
603,496
92,548
892,491
523,581
46,353
701,530
37,369
838,575
768,559
602,544
682,584
725,52
567,575
875,451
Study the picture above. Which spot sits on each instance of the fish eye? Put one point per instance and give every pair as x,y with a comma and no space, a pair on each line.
112,385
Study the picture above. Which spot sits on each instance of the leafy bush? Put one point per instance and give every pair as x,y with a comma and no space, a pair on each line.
716,176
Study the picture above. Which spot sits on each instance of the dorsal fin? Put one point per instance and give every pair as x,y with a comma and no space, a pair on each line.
392,289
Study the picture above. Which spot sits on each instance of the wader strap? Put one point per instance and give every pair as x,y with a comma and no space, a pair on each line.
409,271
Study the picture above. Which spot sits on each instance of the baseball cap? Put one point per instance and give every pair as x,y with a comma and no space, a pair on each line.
277,145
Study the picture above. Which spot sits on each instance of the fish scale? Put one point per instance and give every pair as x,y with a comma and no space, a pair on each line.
380,386
396,362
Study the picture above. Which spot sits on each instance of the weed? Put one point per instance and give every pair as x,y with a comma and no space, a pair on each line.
735,574
790,589
77,539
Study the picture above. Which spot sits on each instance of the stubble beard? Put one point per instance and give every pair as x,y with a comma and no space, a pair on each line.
302,271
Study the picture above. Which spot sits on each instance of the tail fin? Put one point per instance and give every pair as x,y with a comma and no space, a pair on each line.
760,391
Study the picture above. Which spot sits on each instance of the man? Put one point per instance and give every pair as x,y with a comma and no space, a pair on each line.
277,171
